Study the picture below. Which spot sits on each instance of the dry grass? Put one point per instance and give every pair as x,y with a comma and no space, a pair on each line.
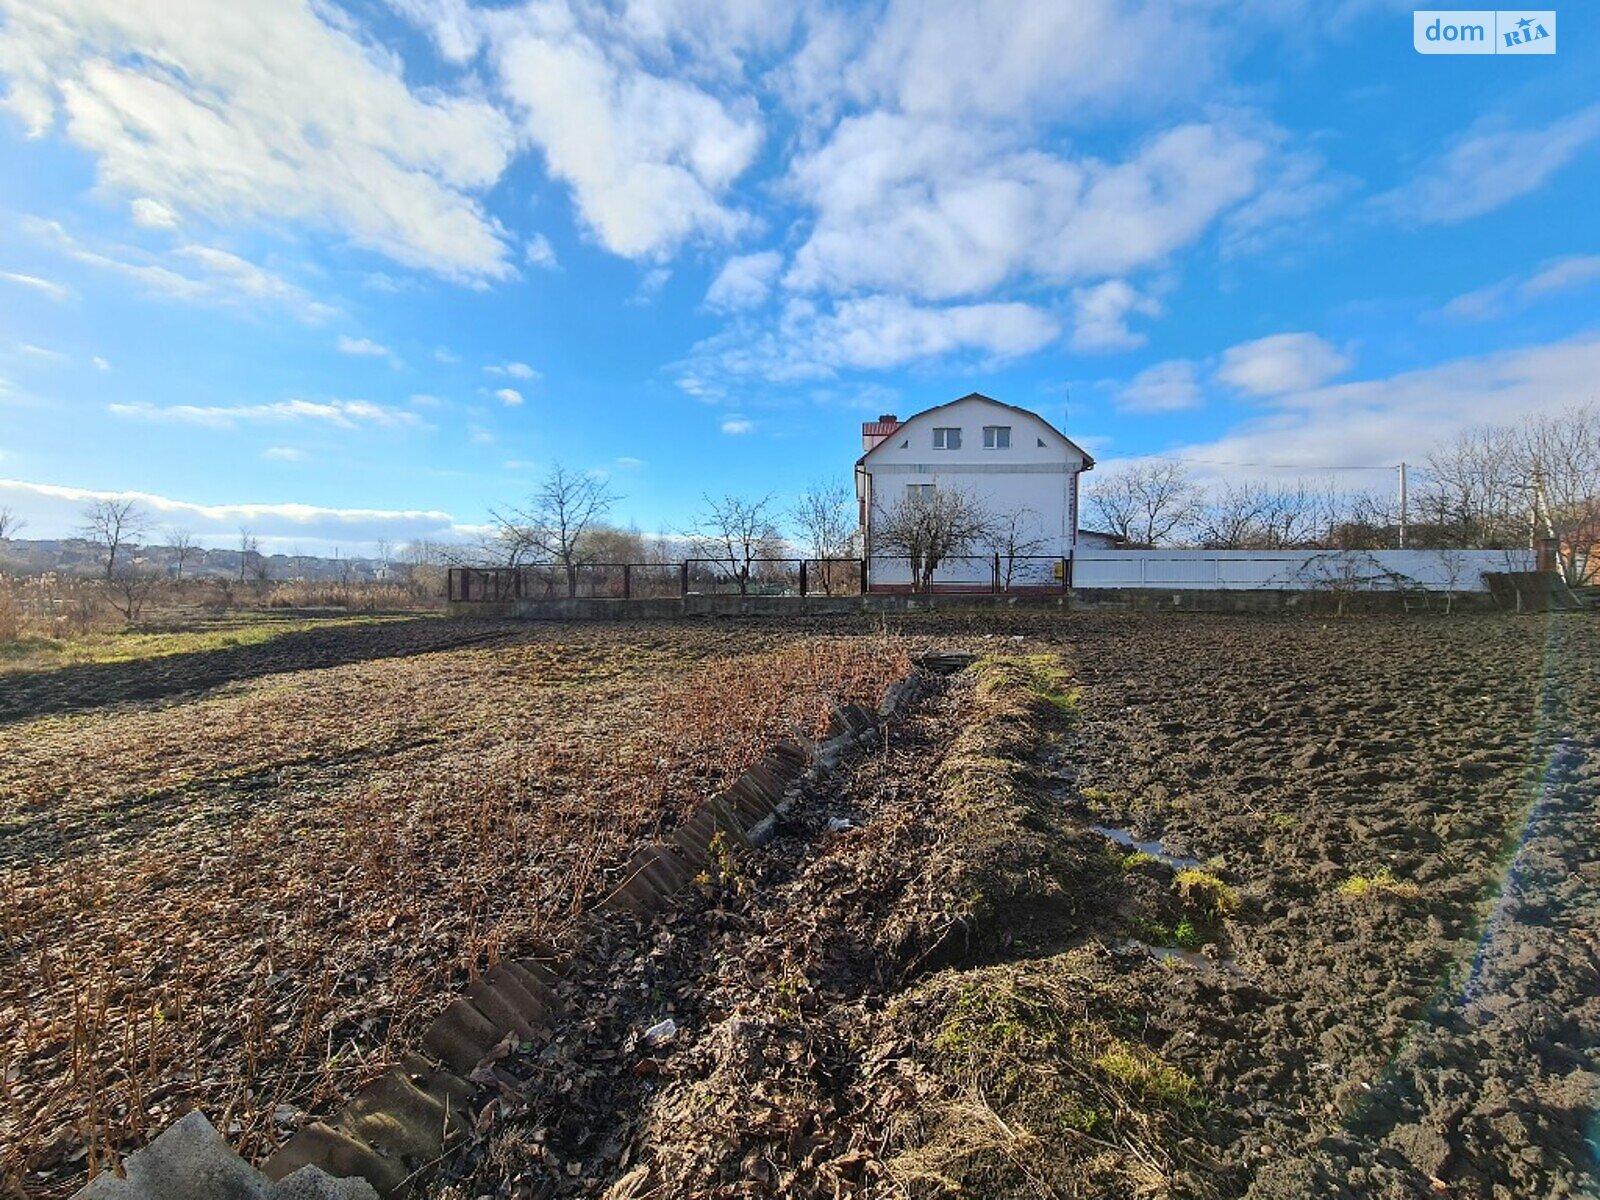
53,620
251,901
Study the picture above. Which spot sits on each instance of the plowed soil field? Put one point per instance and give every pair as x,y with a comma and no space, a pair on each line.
1159,906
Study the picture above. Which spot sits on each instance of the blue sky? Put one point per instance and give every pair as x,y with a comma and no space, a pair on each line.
348,271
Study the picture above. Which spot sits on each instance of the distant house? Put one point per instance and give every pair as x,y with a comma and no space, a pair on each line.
1098,539
1020,468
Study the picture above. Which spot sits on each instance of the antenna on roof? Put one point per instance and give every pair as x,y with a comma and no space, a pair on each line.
1066,409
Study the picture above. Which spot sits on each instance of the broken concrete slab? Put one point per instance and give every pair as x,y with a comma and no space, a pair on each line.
190,1161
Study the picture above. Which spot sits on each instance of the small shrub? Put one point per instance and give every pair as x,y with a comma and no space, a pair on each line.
1205,894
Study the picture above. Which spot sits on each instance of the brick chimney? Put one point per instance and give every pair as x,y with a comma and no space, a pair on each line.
873,432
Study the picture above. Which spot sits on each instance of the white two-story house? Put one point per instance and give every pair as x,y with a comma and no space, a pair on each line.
1022,470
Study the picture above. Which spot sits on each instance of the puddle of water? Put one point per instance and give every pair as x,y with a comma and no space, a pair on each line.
1167,953
1193,958
1154,849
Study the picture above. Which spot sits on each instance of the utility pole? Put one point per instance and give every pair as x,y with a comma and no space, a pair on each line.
1403,506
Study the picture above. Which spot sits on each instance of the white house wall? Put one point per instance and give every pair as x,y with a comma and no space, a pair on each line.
1025,476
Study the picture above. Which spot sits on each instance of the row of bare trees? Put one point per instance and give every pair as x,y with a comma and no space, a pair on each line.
563,523
1491,488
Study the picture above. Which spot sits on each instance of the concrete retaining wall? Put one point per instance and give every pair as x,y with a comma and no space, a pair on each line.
743,606
1146,599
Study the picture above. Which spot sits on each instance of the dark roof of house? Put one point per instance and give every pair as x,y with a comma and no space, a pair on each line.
1088,462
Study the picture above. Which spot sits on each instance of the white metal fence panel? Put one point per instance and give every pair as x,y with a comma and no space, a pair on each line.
1294,570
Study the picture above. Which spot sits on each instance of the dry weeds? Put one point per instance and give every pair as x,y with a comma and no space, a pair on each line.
252,901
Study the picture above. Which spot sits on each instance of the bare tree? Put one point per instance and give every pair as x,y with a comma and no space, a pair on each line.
1473,493
127,589
1365,521
182,544
1559,456
1232,519
824,517
552,523
249,553
737,532
1012,535
1148,502
112,525
929,525
10,523
1453,566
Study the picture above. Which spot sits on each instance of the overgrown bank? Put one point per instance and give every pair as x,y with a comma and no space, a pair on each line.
909,1004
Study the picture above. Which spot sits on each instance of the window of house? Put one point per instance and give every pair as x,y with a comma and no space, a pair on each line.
997,437
946,438
919,491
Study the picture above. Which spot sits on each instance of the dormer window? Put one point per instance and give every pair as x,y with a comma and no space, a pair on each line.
946,437
997,437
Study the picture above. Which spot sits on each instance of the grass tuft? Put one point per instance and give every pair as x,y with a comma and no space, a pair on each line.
1206,895
1381,883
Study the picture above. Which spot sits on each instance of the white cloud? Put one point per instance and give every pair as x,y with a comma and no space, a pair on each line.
283,454
1380,422
510,397
193,273
649,157
1564,274
517,370
56,510
629,463
272,112
1008,58
650,285
43,352
540,253
945,210
55,291
446,356
423,400
152,214
240,275
1284,362
1292,188
744,282
100,364
361,347
883,332
1100,316
808,342
1170,386
1491,165
737,426
343,414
